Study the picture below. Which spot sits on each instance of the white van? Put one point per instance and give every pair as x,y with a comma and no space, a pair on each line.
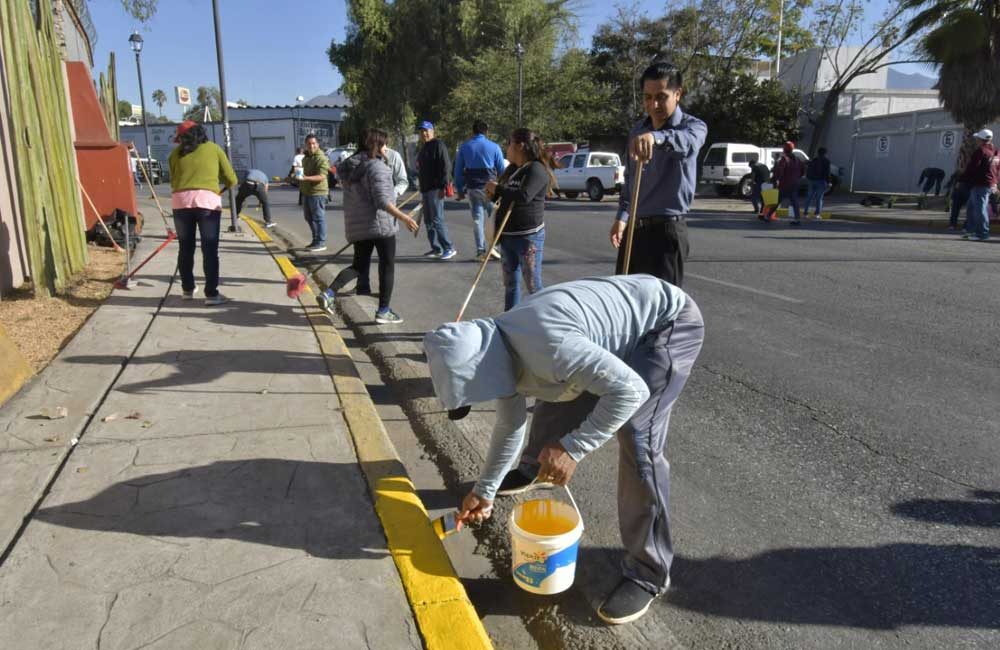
727,166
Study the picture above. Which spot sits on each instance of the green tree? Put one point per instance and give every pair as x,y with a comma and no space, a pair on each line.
159,98
561,99
962,38
205,97
124,109
401,60
747,110
141,10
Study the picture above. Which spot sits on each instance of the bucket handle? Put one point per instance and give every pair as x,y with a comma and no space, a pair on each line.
534,481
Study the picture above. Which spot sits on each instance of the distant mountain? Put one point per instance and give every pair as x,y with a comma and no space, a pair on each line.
913,81
333,99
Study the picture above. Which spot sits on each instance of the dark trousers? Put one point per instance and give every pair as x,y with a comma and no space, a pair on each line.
248,189
933,182
207,223
756,198
664,360
959,197
659,248
360,268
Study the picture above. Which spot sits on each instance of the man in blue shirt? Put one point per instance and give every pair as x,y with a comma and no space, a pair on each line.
667,143
479,161
255,184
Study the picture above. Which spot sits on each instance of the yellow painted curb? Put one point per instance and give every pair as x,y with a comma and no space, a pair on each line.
16,370
441,607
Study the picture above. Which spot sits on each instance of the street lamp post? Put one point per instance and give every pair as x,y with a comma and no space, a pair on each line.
519,53
234,225
135,41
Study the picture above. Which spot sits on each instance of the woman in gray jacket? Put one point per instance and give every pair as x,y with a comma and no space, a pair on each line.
370,222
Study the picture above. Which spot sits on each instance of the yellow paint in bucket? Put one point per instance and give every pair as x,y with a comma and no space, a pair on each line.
545,535
542,517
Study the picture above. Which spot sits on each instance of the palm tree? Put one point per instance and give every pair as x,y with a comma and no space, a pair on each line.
160,98
962,37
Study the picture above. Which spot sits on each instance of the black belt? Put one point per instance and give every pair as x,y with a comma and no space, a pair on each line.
653,221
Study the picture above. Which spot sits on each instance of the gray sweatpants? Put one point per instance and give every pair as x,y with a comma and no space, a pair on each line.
664,360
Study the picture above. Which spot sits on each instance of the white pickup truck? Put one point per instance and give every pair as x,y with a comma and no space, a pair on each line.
595,172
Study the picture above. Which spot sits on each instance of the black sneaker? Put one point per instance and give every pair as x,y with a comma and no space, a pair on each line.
516,482
627,603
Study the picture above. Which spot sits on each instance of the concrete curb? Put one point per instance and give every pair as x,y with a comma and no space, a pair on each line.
444,613
16,370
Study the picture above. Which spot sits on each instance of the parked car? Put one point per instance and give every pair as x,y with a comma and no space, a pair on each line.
727,166
595,172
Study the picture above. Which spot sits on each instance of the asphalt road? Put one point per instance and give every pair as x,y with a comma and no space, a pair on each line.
834,454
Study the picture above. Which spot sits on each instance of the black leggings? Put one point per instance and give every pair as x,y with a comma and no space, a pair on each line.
359,270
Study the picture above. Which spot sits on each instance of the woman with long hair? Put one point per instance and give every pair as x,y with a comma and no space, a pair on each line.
197,168
523,188
371,221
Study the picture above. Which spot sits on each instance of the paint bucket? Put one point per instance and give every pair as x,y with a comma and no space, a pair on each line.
544,538
770,197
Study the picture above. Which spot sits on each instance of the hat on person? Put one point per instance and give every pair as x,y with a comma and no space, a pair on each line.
425,126
985,134
183,128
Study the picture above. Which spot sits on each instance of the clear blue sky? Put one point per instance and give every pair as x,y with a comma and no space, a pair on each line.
271,53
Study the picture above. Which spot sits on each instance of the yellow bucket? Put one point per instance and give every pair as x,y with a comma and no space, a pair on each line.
770,197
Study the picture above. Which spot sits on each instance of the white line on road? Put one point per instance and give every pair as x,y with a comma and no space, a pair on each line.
761,292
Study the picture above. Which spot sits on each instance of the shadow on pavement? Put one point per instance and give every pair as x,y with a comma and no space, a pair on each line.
983,512
880,587
194,367
307,505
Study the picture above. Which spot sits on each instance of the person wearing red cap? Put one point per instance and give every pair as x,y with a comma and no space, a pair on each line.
197,168
787,176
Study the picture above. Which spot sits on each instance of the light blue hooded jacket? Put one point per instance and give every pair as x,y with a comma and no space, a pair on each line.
562,341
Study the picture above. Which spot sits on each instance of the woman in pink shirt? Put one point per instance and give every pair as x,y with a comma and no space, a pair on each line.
197,168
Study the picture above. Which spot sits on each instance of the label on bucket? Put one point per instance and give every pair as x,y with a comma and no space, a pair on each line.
534,573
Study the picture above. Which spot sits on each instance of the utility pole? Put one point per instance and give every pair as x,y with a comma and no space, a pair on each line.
519,53
234,224
781,25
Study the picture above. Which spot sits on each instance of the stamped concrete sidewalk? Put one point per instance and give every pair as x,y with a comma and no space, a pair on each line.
227,512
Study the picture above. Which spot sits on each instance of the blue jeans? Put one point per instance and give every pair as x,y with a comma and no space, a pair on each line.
521,255
481,208
977,212
817,188
792,196
207,223
437,231
314,210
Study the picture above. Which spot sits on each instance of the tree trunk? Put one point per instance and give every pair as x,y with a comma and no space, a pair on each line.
825,117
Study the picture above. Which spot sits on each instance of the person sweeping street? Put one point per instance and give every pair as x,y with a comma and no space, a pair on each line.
600,356
197,168
522,190
371,221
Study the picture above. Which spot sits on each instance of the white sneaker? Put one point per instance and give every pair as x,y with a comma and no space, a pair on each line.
189,295
269,225
217,299
495,254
